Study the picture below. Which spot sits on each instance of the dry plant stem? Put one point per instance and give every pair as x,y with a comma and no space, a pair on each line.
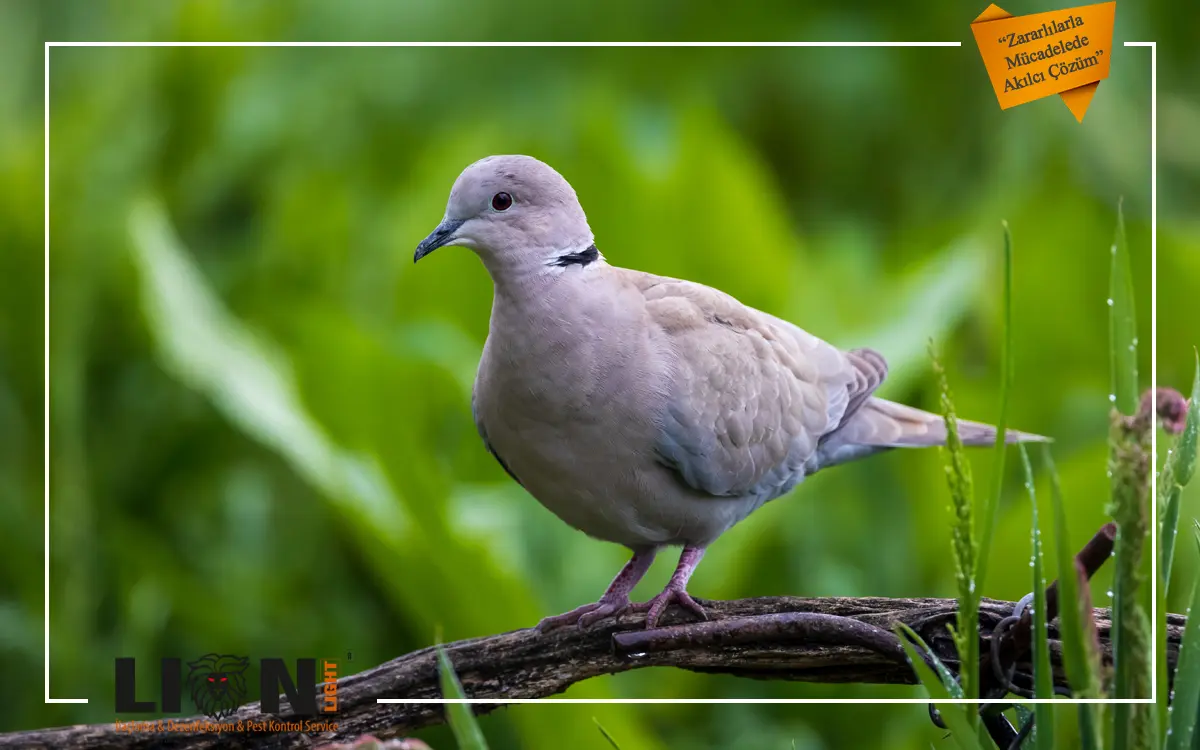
998,728
528,664
1016,634
1016,641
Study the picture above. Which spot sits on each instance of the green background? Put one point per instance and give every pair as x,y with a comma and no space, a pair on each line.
260,429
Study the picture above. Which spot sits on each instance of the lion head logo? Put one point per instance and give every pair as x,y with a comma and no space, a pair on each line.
218,684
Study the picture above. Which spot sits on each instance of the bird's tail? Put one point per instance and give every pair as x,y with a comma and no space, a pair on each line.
880,425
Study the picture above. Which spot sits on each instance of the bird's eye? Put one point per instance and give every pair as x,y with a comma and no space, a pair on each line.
501,201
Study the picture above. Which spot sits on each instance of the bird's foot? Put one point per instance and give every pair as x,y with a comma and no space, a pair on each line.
658,605
585,616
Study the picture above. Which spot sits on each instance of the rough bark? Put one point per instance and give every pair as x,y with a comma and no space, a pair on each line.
786,638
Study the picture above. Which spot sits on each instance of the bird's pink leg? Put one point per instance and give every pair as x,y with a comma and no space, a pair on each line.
676,590
615,599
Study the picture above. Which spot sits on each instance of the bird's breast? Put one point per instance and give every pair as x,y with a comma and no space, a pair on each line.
575,418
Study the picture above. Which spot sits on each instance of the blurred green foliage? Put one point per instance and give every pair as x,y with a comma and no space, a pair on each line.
260,430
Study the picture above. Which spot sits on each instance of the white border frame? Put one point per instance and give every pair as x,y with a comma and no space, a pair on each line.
495,701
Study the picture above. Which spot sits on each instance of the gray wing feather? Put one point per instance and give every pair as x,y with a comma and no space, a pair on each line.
870,368
752,395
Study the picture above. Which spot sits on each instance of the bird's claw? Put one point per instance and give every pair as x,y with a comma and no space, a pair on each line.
658,605
583,617
599,613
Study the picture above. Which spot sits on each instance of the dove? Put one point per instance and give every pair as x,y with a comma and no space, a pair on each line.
643,410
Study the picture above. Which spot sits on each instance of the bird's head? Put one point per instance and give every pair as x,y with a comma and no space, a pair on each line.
515,212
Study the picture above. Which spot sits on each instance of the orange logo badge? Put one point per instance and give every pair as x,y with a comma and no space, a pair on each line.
1065,52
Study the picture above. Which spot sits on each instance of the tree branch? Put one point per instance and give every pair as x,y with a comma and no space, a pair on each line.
785,638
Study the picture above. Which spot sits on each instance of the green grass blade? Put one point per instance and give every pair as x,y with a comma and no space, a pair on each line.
1025,715
462,720
1145,720
1079,656
607,736
953,689
1186,445
1089,727
1081,659
949,681
955,716
1181,730
1181,464
1168,503
1169,495
992,502
1122,324
1043,675
958,477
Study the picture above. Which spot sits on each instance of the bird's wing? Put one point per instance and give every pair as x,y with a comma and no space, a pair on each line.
752,395
869,368
487,444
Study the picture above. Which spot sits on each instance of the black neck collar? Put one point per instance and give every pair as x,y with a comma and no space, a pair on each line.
588,255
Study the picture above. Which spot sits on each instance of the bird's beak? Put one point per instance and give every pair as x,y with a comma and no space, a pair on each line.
443,235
